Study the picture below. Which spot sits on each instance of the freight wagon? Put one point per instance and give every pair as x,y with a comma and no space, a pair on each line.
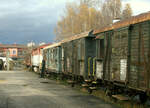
53,56
37,57
123,56
72,58
78,54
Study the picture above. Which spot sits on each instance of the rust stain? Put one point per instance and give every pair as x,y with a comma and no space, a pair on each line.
133,20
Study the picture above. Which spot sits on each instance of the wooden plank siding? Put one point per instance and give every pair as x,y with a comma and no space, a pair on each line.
128,46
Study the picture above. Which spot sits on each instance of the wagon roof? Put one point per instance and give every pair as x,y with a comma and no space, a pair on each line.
52,45
41,46
12,46
133,20
78,36
45,45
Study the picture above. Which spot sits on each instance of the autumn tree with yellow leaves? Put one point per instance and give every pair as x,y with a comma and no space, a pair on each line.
127,12
88,15
77,19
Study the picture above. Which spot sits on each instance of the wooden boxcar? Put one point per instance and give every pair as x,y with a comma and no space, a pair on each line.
78,54
53,57
126,46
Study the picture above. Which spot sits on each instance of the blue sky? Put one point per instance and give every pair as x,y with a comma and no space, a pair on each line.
23,21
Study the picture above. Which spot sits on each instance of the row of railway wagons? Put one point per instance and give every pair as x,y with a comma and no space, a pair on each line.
72,57
116,57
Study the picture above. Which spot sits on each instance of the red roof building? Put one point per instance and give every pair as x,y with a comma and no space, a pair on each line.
15,50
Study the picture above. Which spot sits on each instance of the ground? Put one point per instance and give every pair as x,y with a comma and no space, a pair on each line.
23,89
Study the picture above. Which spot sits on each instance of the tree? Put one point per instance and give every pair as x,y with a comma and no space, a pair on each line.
76,20
86,16
127,12
111,10
65,27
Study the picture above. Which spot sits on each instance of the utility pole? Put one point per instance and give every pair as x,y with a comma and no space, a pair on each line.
7,59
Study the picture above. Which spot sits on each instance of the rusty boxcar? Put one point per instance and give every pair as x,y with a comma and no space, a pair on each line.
126,46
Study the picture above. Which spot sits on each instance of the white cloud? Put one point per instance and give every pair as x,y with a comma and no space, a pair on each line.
139,6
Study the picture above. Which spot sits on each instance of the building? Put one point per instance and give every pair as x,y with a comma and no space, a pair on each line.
15,50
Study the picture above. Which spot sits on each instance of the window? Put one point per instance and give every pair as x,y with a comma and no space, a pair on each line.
14,52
